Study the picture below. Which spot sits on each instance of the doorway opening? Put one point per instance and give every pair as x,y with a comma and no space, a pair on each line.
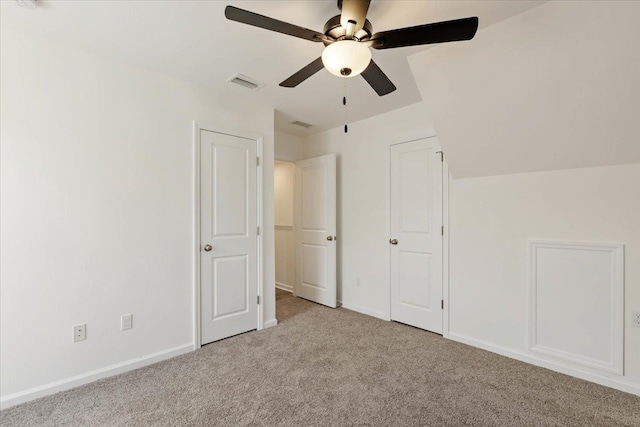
284,181
305,230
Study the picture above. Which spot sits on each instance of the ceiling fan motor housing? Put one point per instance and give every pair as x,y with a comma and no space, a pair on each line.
334,30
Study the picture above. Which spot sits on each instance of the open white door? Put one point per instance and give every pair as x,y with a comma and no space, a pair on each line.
228,236
416,234
316,230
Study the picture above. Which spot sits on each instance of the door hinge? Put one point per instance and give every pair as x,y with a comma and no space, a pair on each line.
441,155
442,230
258,299
258,230
257,161
442,304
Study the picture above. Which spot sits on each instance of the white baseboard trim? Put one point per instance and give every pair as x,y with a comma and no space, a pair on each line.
89,377
270,323
607,380
363,310
284,287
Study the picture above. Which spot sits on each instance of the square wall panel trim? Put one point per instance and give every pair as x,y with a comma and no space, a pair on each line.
576,303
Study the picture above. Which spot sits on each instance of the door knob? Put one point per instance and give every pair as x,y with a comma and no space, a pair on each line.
393,241
329,238
208,248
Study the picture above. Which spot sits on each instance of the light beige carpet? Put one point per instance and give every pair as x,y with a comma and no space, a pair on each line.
280,294
328,367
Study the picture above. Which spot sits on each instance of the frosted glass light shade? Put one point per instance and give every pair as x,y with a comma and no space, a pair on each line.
346,58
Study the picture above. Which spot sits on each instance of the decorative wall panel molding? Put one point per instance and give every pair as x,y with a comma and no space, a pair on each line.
576,309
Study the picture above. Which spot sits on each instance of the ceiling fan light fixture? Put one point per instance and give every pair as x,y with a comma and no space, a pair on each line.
346,58
349,36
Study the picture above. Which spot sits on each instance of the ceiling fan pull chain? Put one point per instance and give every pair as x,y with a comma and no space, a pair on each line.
344,102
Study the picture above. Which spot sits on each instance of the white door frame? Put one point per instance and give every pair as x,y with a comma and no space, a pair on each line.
197,127
445,239
445,245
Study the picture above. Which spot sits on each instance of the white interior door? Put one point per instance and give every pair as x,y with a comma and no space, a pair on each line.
416,234
316,230
228,235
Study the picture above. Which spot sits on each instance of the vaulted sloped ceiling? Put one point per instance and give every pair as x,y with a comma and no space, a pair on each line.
193,41
556,87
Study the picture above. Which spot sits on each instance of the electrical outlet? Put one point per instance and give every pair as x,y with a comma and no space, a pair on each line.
126,322
79,332
635,318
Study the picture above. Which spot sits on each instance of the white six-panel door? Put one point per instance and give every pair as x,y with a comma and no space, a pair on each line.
416,238
228,235
316,230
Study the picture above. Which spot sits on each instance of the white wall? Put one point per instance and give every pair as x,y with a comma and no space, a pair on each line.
555,87
363,210
492,218
287,147
284,188
97,209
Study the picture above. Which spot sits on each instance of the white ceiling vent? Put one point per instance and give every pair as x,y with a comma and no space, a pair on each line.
27,4
245,81
303,124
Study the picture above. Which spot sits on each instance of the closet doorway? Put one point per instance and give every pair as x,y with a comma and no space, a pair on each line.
305,229
284,181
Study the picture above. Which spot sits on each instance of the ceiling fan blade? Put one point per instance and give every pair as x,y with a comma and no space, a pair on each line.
250,18
303,74
439,32
378,80
356,11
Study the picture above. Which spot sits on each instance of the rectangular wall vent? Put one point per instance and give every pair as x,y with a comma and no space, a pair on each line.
303,124
27,4
245,81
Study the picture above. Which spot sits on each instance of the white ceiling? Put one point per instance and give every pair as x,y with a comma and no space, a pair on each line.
554,88
193,41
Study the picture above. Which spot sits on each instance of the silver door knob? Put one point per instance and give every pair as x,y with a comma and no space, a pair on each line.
208,248
393,241
329,238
